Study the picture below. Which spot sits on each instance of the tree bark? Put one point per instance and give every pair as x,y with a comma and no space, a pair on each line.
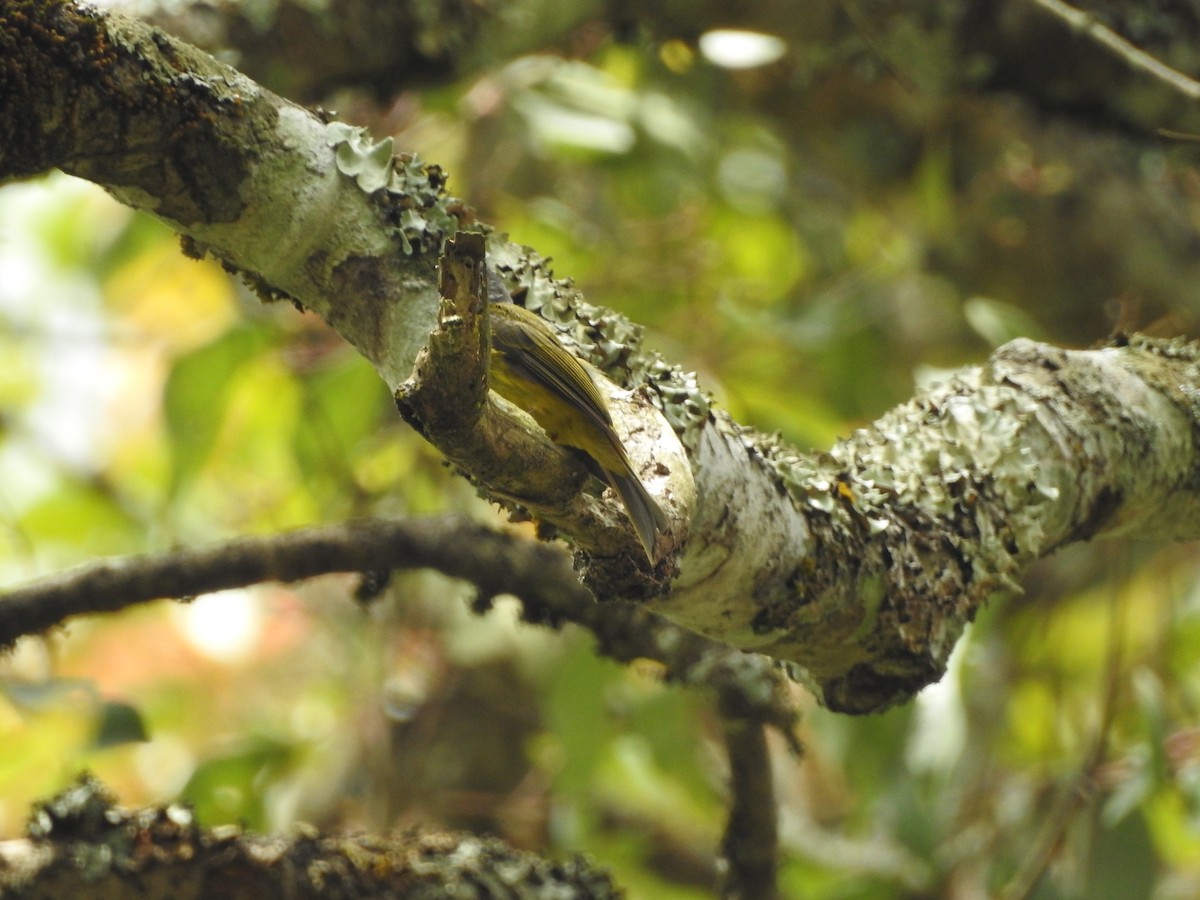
861,566
82,845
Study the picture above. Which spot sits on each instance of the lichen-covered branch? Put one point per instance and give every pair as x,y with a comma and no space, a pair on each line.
81,844
306,210
867,567
862,565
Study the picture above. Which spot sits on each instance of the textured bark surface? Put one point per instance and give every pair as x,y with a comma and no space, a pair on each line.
82,845
862,566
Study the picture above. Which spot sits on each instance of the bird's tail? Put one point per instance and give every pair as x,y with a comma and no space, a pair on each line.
647,516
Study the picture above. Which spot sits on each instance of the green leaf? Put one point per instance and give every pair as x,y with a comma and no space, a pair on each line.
80,520
120,723
342,406
197,394
230,788
578,717
1123,863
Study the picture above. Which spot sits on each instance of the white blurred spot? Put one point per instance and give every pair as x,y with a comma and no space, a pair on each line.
732,49
224,626
939,728
555,124
58,310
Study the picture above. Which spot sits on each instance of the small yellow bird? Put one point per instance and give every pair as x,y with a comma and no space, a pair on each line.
531,368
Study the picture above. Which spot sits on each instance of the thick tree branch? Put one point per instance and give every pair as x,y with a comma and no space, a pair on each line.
912,524
304,50
304,211
312,211
81,844
862,565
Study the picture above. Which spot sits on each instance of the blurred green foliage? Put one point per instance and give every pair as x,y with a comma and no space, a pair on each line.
815,237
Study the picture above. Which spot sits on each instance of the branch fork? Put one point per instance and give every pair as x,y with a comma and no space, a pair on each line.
499,445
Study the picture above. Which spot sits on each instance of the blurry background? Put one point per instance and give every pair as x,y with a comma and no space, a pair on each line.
817,206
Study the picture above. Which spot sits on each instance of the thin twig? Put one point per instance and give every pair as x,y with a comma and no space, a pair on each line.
750,846
1087,25
1172,135
863,28
494,561
541,576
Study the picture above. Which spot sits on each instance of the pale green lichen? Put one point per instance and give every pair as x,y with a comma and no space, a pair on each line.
424,219
955,455
368,162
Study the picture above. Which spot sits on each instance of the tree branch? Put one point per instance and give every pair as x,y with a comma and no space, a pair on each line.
305,51
304,209
81,844
750,845
493,561
1086,24
540,576
862,566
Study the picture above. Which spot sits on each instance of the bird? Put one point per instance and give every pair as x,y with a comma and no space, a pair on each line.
531,368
